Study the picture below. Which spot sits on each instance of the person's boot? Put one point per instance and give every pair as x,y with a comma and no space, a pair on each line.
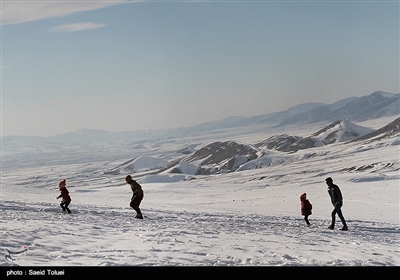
139,216
331,227
344,228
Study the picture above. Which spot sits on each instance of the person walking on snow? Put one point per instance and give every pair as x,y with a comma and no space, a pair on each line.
137,196
66,199
305,207
337,201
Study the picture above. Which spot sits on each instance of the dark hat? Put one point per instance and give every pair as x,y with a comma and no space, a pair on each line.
329,179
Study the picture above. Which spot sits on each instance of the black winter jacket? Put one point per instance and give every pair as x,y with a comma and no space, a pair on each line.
335,194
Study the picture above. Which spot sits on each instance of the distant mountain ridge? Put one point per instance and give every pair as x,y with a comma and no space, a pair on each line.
230,156
354,109
376,105
91,144
379,104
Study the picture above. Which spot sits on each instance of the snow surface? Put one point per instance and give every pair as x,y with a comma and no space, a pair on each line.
245,218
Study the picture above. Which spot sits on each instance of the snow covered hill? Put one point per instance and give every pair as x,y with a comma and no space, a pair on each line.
336,132
389,130
341,131
229,156
246,218
229,197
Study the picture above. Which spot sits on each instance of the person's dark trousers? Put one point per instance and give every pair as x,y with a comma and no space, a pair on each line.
338,210
306,219
64,206
135,202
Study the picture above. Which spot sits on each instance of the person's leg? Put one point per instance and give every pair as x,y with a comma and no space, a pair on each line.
340,214
306,219
66,207
62,206
135,202
333,214
134,205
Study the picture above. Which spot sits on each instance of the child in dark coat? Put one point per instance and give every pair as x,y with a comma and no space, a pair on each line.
305,207
66,199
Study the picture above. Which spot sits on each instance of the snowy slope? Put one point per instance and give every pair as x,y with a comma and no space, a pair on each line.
246,218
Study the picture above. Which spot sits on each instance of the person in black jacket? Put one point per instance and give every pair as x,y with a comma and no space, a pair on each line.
337,201
137,195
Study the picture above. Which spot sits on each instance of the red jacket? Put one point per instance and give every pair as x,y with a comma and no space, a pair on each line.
305,205
65,195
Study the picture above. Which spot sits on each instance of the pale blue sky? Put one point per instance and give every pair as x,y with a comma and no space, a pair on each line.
166,64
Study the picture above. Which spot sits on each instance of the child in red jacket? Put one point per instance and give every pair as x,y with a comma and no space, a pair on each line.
66,199
305,208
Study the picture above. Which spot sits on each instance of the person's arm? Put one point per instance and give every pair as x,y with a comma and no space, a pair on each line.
133,191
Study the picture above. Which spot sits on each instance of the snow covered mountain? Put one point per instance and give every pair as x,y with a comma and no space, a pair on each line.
389,130
336,132
341,131
355,109
219,156
229,156
246,212
87,145
376,105
248,219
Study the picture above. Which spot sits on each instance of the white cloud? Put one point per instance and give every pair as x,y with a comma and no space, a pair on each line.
13,12
73,27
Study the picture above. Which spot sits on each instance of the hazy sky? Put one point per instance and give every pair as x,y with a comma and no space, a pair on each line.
129,65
